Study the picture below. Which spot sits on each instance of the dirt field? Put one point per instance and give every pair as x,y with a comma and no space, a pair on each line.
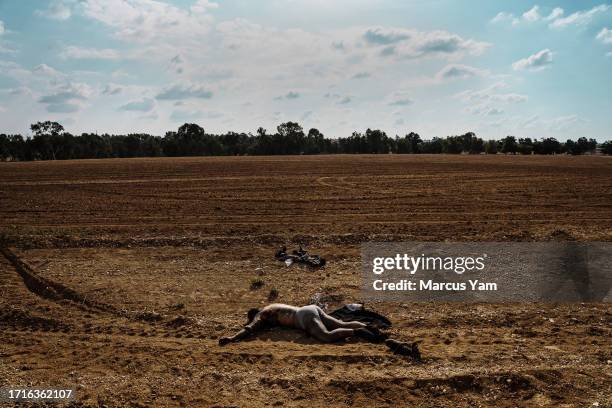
119,277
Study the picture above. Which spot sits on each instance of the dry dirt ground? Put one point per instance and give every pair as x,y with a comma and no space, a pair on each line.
117,277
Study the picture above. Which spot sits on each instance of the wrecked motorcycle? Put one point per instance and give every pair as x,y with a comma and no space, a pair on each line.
299,256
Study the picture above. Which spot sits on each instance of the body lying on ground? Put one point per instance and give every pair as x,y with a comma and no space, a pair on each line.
310,319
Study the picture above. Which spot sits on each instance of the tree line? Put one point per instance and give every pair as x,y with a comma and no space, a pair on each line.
50,141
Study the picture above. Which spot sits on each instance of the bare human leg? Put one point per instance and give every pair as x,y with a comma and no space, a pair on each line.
317,329
332,323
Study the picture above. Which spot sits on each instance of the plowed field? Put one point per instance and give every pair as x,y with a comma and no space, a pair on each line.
117,277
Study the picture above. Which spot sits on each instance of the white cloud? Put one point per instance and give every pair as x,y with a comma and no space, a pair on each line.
555,124
399,98
579,17
73,52
340,99
386,36
148,21
181,115
119,74
184,91
345,100
605,35
408,43
176,64
503,16
454,71
202,6
494,111
112,89
484,110
66,98
555,14
560,123
292,95
66,93
44,69
361,75
264,46
185,115
288,95
532,14
258,61
4,49
142,105
338,45
15,71
7,50
240,56
19,91
555,18
491,94
47,73
57,10
535,62
509,97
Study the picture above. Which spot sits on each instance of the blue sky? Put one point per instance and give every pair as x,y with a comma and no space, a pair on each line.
435,67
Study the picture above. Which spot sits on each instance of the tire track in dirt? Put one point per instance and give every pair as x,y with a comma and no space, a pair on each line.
321,181
51,290
344,184
142,324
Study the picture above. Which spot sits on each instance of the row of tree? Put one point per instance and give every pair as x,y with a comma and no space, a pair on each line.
51,142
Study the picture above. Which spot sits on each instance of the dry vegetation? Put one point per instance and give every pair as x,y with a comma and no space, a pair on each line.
120,276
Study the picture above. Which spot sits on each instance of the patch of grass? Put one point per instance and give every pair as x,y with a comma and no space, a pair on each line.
257,283
273,295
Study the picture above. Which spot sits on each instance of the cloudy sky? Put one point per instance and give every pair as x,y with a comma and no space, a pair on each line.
436,67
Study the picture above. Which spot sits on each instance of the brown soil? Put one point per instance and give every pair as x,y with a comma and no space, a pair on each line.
118,277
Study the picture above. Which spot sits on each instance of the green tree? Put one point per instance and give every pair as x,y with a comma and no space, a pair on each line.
490,146
376,141
315,142
48,139
477,146
525,146
433,146
466,141
572,147
509,145
453,145
413,141
291,138
190,139
586,145
549,145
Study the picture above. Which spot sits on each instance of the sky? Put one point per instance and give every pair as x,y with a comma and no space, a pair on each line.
435,67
